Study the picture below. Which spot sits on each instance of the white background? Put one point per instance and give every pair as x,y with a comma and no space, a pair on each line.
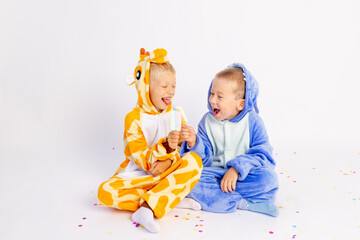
63,99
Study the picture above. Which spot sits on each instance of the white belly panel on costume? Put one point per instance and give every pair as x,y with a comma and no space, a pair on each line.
155,127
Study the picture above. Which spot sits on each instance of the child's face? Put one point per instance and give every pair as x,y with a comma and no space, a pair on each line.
223,100
162,90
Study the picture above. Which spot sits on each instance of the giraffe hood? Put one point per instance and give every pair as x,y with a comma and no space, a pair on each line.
142,79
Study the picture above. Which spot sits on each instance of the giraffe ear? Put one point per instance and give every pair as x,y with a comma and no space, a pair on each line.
147,54
129,79
142,51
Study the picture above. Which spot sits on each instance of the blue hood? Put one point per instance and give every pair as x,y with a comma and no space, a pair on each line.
251,93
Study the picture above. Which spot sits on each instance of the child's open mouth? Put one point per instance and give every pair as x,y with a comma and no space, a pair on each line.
167,100
216,111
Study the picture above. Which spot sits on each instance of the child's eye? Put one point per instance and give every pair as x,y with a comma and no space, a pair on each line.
220,97
212,94
164,86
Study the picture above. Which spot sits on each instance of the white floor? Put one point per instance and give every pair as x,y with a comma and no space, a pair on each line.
319,198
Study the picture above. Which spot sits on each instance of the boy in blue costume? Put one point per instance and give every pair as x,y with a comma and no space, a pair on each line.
232,141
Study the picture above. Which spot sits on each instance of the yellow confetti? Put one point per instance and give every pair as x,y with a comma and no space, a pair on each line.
109,233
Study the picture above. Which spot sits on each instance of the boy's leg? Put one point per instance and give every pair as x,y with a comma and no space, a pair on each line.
176,183
209,194
126,193
259,190
259,186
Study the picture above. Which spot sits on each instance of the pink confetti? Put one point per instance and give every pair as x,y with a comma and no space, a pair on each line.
113,148
293,237
80,225
201,220
200,230
84,218
297,212
95,204
176,216
137,225
294,152
271,232
294,181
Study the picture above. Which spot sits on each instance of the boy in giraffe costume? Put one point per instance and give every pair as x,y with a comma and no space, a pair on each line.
153,179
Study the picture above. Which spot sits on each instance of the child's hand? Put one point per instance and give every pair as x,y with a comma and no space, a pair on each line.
173,139
228,183
188,135
158,167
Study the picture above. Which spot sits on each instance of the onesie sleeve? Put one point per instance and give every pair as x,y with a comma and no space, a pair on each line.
136,148
260,151
203,145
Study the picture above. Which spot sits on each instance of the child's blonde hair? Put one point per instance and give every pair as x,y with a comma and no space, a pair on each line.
156,68
235,75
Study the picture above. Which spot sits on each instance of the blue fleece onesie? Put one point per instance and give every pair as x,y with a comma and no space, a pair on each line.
242,143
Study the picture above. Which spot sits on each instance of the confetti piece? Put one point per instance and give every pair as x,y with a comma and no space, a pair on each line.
137,225
201,220
176,216
293,237
294,152
297,212
197,216
185,218
271,232
84,218
113,148
200,230
80,225
109,233
294,226
188,214
294,181
95,204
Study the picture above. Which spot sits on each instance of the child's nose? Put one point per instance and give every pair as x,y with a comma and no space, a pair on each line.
211,100
171,91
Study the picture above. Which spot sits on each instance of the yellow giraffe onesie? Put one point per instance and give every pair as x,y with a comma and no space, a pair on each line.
145,132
